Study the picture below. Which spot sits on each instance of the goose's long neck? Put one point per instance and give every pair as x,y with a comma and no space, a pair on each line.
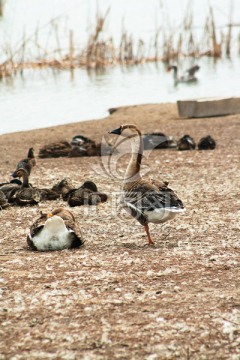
175,73
25,182
133,170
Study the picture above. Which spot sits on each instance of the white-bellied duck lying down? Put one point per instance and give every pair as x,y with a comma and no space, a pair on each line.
57,230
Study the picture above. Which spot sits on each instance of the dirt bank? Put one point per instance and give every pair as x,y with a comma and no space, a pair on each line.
115,298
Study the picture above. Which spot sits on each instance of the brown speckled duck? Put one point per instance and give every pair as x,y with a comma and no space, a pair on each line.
147,202
87,194
8,187
55,150
28,163
63,187
3,201
48,194
25,194
55,231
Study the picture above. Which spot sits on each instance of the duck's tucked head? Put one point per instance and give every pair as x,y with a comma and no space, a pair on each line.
63,213
89,185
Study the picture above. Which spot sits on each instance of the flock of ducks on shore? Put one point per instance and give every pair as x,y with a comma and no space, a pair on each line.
78,146
83,146
147,201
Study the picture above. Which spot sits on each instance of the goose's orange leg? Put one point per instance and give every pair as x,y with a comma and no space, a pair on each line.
150,242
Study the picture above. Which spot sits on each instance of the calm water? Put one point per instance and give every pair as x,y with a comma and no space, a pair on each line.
44,98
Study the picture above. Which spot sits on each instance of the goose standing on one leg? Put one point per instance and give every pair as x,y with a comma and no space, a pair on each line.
146,201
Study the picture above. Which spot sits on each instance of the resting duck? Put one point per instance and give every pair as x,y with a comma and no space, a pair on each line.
27,163
146,202
90,149
55,231
186,143
87,194
207,143
8,187
157,140
188,77
49,194
55,150
25,194
80,140
63,187
3,201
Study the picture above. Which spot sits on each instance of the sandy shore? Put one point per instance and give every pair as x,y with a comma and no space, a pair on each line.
115,298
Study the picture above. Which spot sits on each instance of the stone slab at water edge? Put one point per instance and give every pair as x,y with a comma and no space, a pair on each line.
197,108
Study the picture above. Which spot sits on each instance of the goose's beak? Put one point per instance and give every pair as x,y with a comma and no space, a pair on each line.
50,215
116,131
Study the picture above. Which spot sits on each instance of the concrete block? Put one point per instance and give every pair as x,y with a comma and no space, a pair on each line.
197,108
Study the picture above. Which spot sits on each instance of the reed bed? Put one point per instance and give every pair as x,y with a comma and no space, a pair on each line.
168,44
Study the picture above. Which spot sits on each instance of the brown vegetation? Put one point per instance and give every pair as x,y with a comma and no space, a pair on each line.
168,44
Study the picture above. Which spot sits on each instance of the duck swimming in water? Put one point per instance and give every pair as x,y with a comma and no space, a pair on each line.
187,77
147,202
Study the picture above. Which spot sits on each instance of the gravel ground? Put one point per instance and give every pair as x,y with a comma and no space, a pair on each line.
116,298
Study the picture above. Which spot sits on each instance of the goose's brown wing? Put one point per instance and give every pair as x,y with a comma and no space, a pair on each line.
78,239
164,198
148,197
71,224
35,228
168,194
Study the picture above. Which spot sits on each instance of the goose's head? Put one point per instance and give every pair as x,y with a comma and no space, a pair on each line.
122,130
117,131
65,214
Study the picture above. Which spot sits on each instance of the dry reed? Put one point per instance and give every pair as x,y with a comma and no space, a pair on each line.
168,44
